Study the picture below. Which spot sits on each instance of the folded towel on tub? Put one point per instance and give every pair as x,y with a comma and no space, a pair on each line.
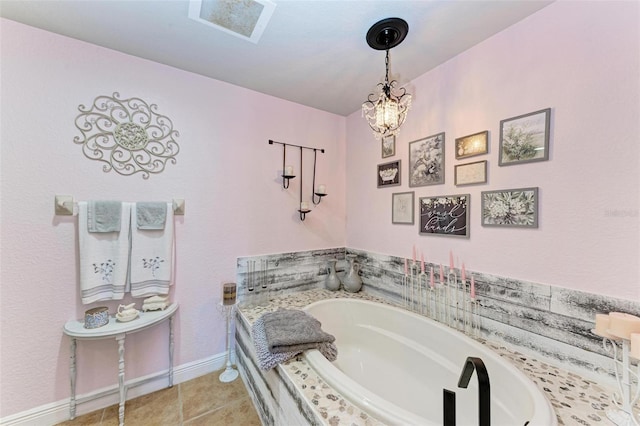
152,253
267,359
104,216
151,215
104,257
293,330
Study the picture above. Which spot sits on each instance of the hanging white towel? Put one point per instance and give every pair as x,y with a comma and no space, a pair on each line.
152,252
104,258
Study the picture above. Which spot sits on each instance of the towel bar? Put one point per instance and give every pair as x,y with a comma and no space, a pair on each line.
64,205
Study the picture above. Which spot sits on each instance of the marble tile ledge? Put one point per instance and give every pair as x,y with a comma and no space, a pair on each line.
576,400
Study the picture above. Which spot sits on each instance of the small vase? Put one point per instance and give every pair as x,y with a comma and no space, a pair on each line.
332,282
351,281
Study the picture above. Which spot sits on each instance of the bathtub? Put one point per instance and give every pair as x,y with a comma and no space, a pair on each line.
394,364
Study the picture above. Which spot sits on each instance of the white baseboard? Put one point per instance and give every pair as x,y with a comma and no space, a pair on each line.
56,412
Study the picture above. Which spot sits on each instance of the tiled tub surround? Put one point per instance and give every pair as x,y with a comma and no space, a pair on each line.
292,393
550,323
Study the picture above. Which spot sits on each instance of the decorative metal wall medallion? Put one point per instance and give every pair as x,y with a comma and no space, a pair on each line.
128,135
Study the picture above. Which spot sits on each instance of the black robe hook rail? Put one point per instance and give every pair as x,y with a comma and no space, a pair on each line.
303,206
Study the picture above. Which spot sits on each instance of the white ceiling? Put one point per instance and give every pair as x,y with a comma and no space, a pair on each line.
311,52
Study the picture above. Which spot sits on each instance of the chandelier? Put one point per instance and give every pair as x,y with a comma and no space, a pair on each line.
386,109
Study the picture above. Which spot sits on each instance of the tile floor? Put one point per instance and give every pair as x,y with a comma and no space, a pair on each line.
201,401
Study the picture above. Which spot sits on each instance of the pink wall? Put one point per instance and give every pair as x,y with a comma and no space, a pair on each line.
579,58
226,171
582,59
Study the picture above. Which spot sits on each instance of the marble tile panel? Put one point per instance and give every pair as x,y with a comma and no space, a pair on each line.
582,305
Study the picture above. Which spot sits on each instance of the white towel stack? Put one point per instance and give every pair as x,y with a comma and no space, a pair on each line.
152,252
104,258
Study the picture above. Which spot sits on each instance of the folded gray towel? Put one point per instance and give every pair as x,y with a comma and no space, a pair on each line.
289,330
267,360
151,215
103,216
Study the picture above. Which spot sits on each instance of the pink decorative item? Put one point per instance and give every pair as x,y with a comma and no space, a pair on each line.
623,325
414,254
451,265
433,284
635,345
463,273
422,262
602,325
406,267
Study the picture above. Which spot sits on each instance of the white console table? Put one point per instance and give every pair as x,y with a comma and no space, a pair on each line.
118,330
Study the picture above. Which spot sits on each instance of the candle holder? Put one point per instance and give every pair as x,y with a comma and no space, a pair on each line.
286,177
285,180
405,290
472,318
422,283
303,214
230,373
263,278
452,297
313,191
626,396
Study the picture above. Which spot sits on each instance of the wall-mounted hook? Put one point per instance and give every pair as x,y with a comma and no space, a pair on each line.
64,205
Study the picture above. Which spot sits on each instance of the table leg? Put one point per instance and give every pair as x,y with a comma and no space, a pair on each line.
120,340
72,376
171,351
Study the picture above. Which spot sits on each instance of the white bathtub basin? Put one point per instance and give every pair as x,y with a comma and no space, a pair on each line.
394,364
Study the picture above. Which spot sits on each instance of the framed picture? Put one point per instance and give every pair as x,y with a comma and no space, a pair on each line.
445,215
510,207
470,173
402,207
389,174
525,138
388,146
472,145
426,161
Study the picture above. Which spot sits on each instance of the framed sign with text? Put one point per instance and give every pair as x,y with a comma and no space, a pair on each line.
445,215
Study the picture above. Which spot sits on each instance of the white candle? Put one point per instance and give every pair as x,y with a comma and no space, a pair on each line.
635,345
322,189
623,325
602,325
304,205
288,171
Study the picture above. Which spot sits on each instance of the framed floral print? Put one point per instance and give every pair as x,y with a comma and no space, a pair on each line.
426,161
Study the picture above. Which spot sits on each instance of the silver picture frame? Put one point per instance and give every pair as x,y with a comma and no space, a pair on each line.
427,160
515,208
470,173
389,174
402,208
445,215
472,145
388,146
525,138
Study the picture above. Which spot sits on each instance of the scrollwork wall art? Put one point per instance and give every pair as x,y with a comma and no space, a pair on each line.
128,135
